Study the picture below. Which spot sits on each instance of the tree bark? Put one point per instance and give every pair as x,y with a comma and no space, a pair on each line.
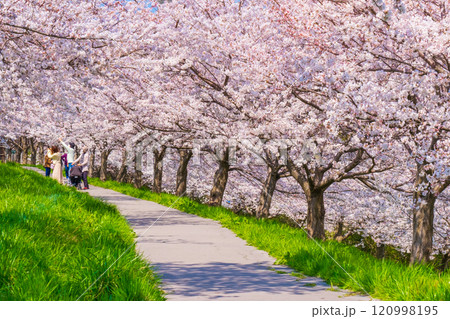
424,199
423,216
158,157
444,263
315,217
339,236
314,192
40,153
182,172
33,152
381,251
23,150
137,169
91,170
17,157
104,164
265,198
121,176
8,156
220,180
2,154
137,181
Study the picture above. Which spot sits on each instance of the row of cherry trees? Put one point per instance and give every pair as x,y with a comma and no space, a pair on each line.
334,112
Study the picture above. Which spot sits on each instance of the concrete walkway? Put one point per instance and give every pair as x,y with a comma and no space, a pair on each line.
198,259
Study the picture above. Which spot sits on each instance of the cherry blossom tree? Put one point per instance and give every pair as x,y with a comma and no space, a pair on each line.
403,79
296,105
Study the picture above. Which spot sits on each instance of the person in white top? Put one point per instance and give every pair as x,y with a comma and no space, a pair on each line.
70,149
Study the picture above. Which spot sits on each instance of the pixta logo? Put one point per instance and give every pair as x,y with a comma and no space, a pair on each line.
239,152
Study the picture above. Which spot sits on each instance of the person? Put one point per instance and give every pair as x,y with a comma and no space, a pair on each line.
83,161
75,176
64,164
47,163
70,149
55,155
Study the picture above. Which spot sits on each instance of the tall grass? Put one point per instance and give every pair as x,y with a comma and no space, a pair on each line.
55,242
382,279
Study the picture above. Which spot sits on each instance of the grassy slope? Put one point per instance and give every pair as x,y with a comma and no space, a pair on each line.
55,242
382,279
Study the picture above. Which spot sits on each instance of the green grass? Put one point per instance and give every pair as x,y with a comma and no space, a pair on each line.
55,242
382,279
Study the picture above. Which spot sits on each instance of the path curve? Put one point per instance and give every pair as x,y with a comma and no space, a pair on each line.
198,259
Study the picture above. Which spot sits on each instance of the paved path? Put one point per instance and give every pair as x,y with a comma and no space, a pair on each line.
198,259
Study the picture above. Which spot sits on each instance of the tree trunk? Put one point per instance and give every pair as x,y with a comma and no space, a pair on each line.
137,181
158,157
220,181
423,216
381,251
339,236
185,156
104,164
91,170
121,176
3,153
8,156
444,263
33,152
265,199
137,169
40,153
315,218
18,155
24,149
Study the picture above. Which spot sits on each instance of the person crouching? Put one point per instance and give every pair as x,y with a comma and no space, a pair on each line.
83,161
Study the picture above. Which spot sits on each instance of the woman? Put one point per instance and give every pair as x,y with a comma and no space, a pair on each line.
83,161
70,149
47,163
55,155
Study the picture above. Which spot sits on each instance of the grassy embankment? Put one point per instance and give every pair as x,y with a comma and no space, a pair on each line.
383,279
55,242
